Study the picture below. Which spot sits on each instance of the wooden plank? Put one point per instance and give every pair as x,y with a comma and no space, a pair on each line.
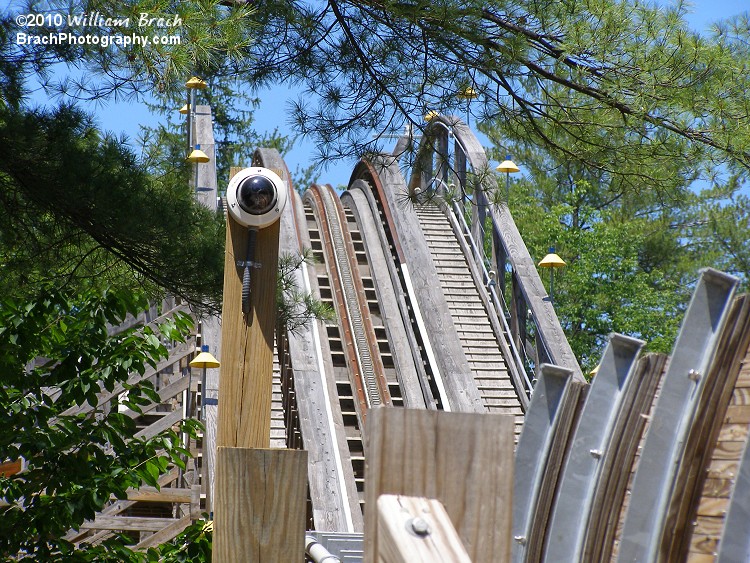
152,494
723,469
431,538
709,526
464,460
333,491
246,372
738,414
131,523
160,425
720,488
165,534
618,460
427,297
696,557
259,513
741,396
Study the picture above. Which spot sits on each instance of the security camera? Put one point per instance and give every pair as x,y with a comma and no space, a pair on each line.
256,197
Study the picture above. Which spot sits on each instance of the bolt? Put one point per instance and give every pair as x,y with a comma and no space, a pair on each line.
419,526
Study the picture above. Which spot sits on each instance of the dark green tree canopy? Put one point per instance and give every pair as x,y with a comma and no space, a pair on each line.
79,206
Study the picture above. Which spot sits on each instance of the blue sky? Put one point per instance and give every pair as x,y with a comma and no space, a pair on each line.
275,102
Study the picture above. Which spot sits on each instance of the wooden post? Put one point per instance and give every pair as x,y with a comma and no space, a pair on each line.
416,529
259,514
245,376
463,460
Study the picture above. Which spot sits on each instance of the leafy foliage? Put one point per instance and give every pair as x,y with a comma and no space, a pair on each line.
63,183
56,357
632,261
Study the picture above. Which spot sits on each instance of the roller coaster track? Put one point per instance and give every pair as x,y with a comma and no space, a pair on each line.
439,306
418,322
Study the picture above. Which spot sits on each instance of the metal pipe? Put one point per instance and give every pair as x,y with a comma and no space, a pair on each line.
317,552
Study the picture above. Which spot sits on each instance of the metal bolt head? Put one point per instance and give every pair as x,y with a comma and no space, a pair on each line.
419,526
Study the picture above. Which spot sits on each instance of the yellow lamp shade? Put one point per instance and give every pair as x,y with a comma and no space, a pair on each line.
198,156
552,260
467,93
205,360
430,115
508,166
196,82
184,109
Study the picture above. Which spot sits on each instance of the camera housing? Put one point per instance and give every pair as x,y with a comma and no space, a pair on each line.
256,197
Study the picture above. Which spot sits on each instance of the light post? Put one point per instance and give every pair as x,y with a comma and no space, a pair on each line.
551,261
509,167
204,360
192,85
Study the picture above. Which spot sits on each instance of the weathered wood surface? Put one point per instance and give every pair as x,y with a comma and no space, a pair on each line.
617,461
653,490
204,180
591,438
463,460
259,512
549,330
383,173
133,523
566,416
389,240
206,193
381,268
435,538
534,444
329,467
245,376
715,434
165,534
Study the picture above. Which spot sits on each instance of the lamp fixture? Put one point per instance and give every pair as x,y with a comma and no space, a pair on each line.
205,359
551,261
198,155
196,83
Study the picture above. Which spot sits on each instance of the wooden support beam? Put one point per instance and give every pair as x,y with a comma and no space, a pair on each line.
245,376
463,460
259,513
416,529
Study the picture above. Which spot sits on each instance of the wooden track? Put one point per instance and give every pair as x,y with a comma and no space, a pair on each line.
470,317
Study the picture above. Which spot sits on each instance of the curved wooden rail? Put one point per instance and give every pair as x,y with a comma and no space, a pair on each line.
465,165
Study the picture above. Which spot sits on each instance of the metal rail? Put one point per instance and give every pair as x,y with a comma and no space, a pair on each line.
467,167
522,369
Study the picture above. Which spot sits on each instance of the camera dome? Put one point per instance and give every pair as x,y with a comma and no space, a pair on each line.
256,194
256,197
